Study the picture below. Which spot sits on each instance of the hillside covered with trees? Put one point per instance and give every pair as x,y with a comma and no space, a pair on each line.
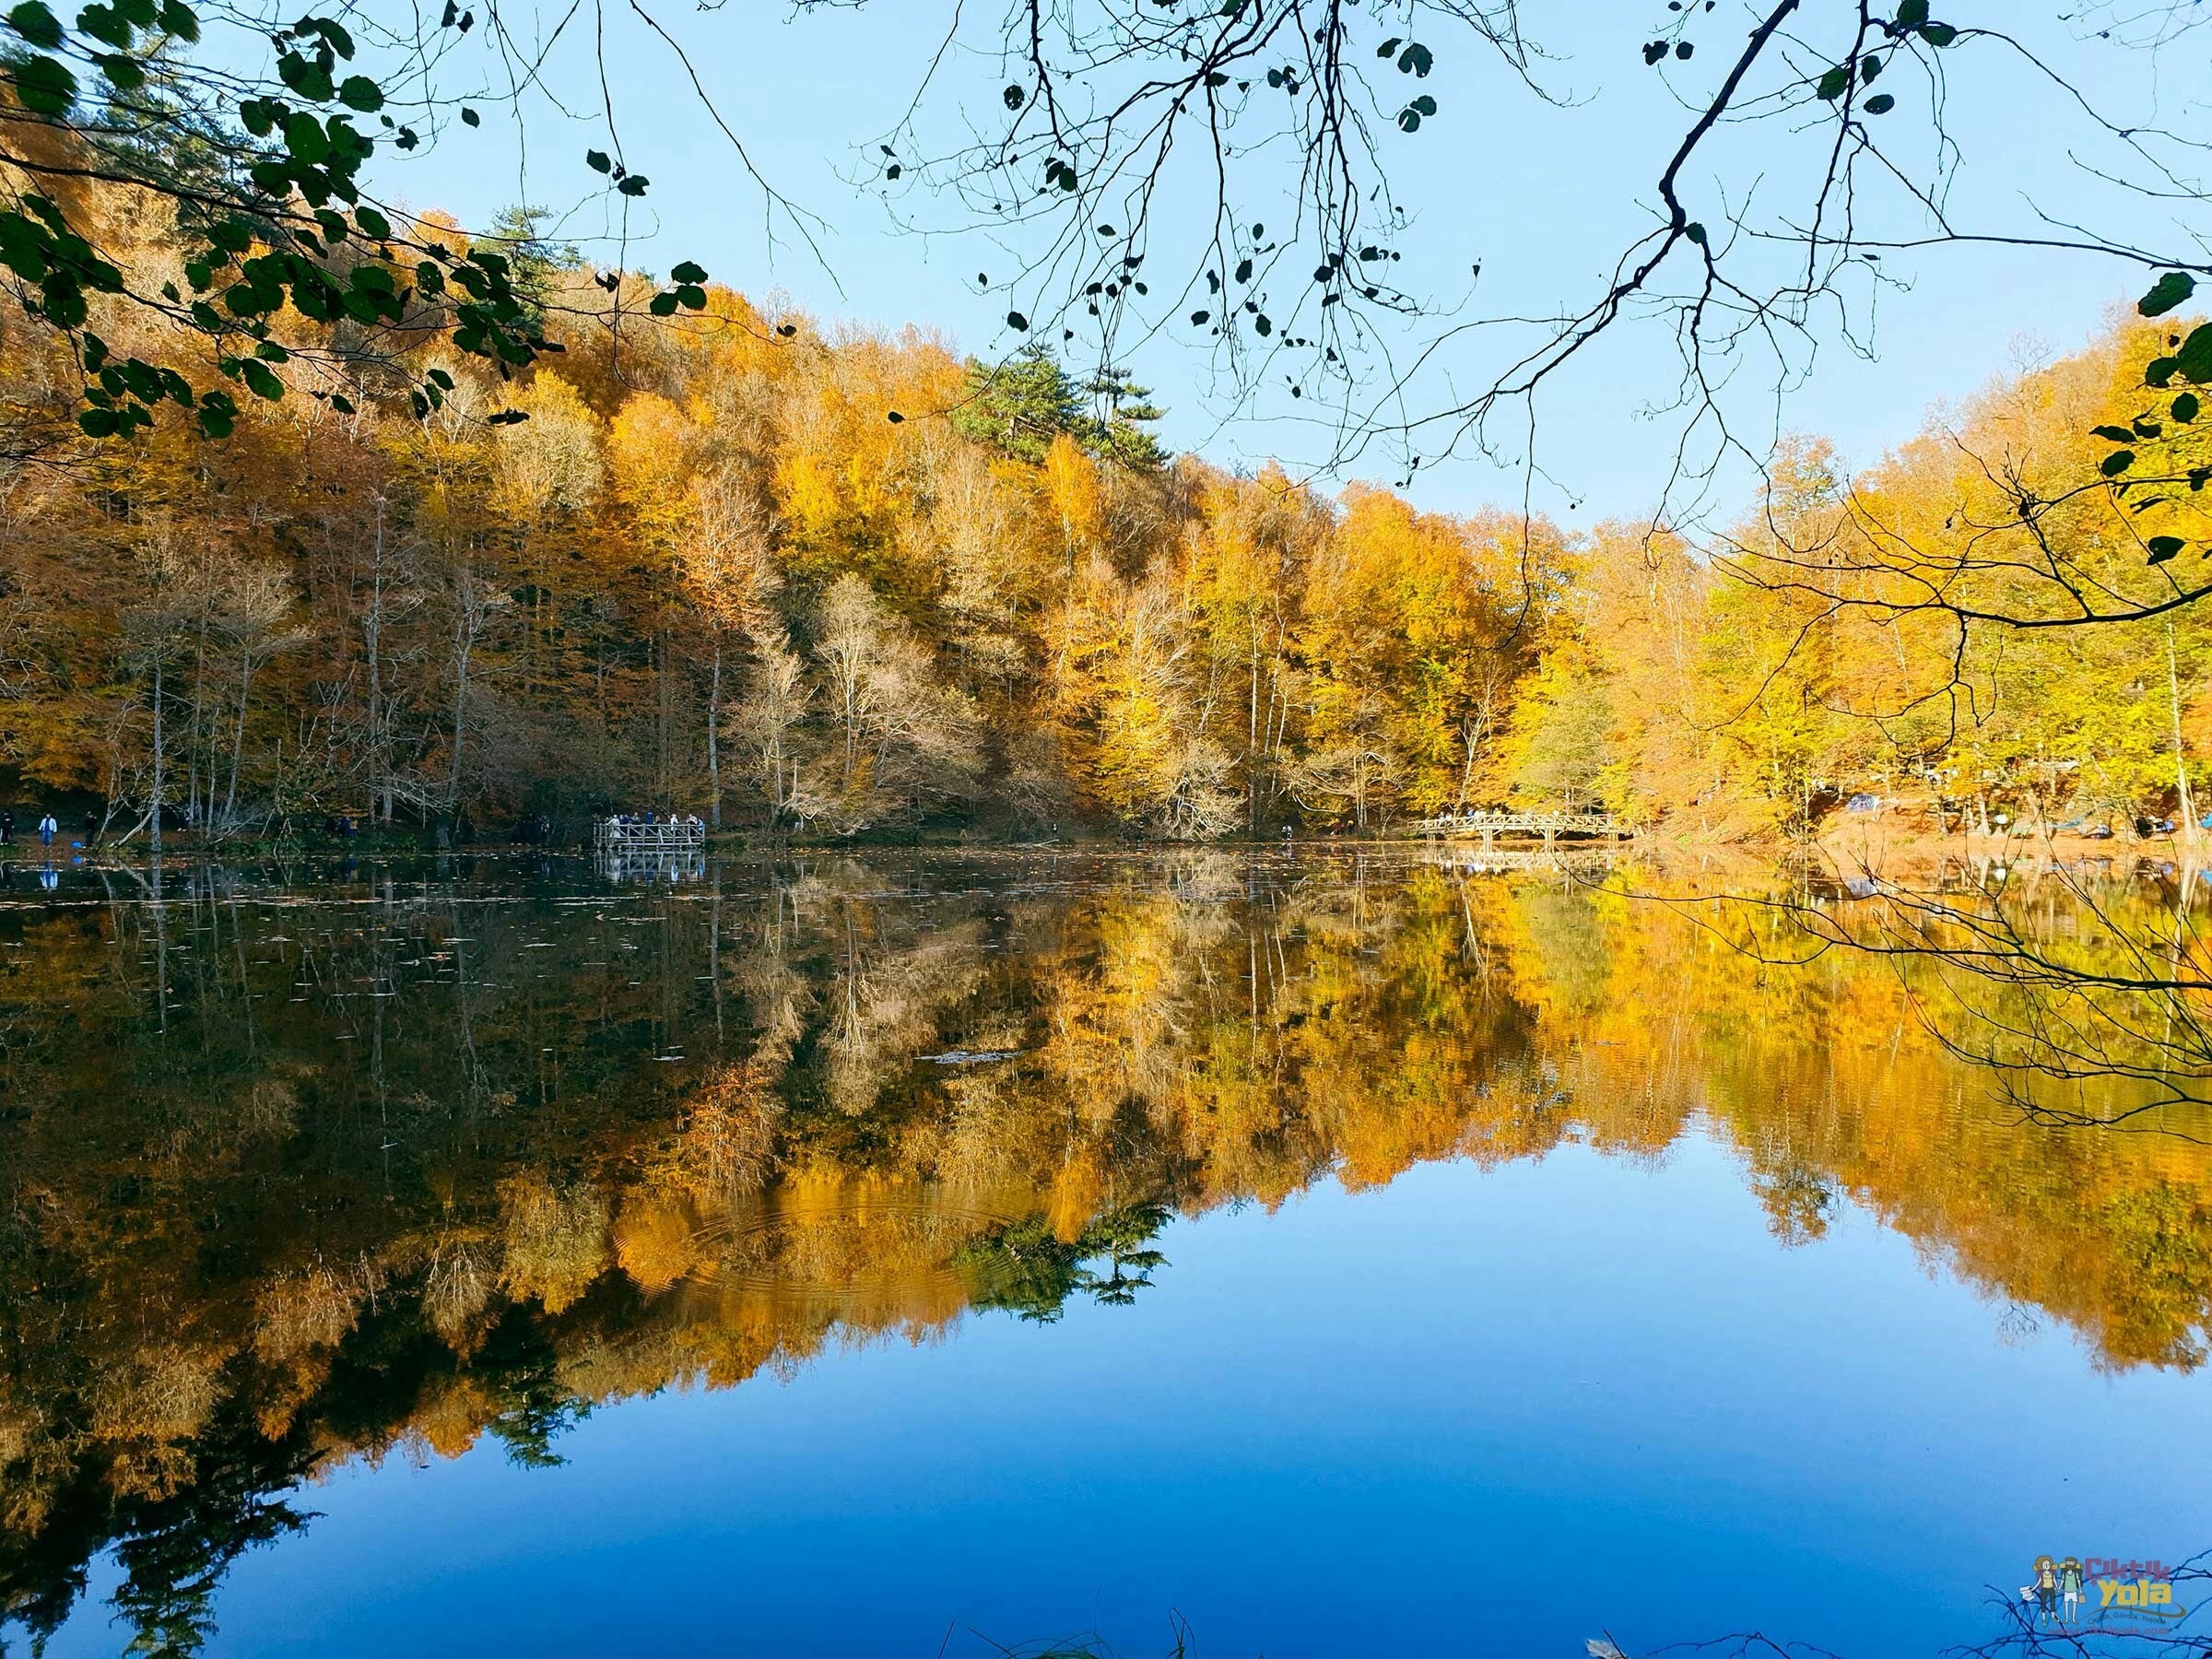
822,581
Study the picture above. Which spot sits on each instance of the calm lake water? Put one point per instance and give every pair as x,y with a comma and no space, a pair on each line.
925,1254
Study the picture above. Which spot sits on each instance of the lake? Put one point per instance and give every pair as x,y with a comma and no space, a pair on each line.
1283,1253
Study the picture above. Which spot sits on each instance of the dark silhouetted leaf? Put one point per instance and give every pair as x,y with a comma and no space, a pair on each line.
44,87
36,24
2172,290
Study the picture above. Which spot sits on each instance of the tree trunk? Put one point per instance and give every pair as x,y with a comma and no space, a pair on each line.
2186,807
238,735
157,735
714,738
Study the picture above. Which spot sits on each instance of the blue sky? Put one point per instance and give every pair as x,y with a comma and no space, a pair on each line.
1542,195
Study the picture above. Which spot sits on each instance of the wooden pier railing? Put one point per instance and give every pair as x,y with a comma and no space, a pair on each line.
633,835
1525,825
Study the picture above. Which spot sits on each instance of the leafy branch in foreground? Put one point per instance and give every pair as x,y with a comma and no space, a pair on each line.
291,275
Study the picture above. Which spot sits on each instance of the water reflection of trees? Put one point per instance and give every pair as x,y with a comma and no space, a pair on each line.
294,1180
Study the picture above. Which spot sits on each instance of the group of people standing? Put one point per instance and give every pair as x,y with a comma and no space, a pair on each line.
48,828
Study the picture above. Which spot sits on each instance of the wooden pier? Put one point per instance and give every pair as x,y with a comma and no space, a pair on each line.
627,836
1547,826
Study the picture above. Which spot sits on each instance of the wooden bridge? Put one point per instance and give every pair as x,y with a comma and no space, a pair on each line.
627,836
1525,825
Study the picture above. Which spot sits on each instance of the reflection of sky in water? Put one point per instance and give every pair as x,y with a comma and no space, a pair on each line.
1468,1410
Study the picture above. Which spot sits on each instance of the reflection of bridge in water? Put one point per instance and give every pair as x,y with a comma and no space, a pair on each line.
652,868
1547,826
1486,861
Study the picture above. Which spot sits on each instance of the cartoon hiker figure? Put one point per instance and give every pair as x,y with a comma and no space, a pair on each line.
2046,1587
2070,1587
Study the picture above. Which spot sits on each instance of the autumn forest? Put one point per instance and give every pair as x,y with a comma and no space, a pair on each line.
818,582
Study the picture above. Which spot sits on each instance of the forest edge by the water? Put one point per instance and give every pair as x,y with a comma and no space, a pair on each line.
717,569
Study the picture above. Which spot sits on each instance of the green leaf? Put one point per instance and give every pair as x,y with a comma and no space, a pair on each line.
2163,548
333,34
691,297
1387,47
358,92
1881,104
1938,34
598,160
1911,13
634,185
310,80
1834,83
662,305
63,301
341,403
1017,322
1418,59
1425,104
179,21
36,24
2118,462
686,271
1409,119
2185,407
105,24
2172,290
2194,361
99,423
373,223
260,380
44,87
305,138
1015,97
24,247
2117,434
124,73
469,117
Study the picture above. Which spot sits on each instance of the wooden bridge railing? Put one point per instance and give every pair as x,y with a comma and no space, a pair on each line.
1491,826
617,835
